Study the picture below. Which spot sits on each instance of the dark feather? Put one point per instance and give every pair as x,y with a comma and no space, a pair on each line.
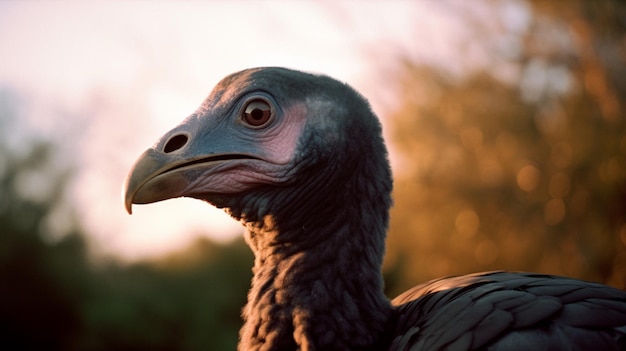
510,311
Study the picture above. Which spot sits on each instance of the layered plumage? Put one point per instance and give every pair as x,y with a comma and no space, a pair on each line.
299,159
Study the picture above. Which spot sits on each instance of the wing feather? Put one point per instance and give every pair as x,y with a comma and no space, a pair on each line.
509,311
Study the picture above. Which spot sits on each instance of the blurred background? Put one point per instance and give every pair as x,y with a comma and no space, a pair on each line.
504,119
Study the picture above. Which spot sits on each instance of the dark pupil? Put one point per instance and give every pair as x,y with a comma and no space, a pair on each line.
257,114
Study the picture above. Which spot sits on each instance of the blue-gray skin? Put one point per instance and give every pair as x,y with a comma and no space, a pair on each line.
300,160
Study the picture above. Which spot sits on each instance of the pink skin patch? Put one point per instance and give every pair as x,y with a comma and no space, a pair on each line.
278,146
283,146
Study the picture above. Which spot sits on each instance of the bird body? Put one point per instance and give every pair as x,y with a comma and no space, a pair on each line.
300,160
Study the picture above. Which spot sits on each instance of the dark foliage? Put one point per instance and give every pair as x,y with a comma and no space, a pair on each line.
52,297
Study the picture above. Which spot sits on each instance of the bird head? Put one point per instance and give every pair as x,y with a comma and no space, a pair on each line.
266,136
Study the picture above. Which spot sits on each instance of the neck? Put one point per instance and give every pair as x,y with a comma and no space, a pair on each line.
325,296
318,246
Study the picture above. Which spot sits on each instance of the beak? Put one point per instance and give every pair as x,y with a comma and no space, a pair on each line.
145,183
175,166
202,158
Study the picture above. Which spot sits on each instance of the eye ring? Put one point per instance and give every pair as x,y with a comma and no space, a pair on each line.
257,113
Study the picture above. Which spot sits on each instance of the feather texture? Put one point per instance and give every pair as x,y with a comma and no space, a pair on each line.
509,311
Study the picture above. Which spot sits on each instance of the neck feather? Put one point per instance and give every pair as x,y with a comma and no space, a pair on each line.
318,245
319,297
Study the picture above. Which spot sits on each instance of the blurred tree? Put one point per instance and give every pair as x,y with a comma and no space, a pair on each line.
42,288
521,165
190,300
53,298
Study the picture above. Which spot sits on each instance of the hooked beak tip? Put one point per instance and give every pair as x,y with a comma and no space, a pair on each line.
128,199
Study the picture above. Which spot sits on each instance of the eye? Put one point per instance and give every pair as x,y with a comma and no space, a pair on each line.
257,113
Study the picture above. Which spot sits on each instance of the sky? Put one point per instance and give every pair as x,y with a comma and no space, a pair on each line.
107,79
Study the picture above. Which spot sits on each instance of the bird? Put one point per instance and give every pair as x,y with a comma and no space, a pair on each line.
299,159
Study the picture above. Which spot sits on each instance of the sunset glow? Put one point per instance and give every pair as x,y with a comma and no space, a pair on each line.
108,79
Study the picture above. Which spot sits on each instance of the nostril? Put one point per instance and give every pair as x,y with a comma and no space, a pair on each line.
175,143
